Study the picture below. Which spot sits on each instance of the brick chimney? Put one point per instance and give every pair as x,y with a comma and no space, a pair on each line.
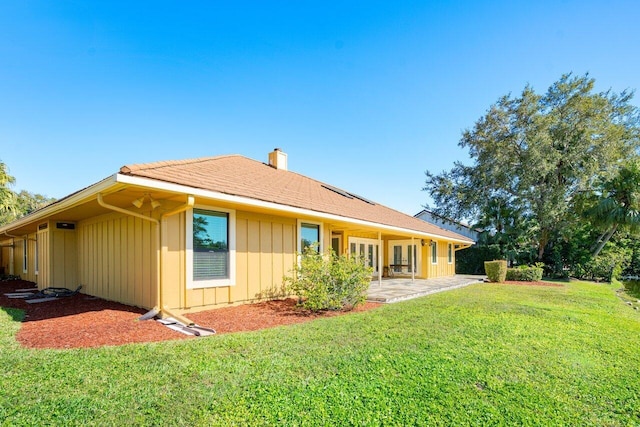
278,159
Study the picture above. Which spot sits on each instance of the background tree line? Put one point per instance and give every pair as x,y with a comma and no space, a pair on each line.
16,205
553,178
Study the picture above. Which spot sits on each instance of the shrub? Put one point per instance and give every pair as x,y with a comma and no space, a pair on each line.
606,266
329,282
471,260
525,273
496,270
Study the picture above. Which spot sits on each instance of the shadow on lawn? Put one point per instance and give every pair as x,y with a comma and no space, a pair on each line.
16,314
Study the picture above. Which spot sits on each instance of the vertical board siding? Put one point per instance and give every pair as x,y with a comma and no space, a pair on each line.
265,252
17,257
266,260
44,269
31,254
442,268
172,261
118,260
18,268
6,256
240,291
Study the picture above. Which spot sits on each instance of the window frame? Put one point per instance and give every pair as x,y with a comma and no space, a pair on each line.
25,255
320,234
231,233
434,252
450,252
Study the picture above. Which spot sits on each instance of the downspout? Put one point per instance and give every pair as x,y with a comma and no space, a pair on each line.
158,309
188,205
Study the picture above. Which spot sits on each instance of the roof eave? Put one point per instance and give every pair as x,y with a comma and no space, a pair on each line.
214,195
62,204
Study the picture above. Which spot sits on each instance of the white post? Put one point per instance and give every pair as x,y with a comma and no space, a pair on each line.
380,267
413,259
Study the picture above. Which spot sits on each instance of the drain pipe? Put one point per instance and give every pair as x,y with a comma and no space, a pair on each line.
163,309
158,309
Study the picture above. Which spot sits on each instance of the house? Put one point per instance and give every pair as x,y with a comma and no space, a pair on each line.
196,234
449,224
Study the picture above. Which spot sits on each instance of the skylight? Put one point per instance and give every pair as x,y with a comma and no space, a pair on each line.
347,194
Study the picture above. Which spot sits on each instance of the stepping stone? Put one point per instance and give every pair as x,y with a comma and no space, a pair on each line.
19,294
36,300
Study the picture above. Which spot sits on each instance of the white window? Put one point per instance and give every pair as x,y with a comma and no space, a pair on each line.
25,251
211,247
310,233
450,250
434,252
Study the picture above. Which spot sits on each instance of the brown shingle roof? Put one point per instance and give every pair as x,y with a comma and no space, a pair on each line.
240,176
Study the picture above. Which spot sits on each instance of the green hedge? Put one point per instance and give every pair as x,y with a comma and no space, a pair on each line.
471,260
525,273
496,270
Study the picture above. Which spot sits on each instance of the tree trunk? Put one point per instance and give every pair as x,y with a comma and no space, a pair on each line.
543,239
597,242
605,240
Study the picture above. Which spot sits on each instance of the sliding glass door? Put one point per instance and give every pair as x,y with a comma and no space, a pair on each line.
368,249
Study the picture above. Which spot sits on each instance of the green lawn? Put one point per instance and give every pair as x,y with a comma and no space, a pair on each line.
482,355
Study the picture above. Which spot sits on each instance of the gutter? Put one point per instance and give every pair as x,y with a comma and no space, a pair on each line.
460,247
230,198
62,204
160,308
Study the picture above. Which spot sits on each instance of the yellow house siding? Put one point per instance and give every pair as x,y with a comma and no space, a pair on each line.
173,261
117,259
426,260
265,252
17,257
63,258
6,256
44,269
442,268
19,269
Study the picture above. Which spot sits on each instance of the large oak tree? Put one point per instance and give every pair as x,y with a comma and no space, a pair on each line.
534,153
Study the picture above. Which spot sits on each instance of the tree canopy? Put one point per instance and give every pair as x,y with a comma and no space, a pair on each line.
534,155
16,205
7,197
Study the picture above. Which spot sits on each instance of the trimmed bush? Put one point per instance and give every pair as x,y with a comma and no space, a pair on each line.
496,270
525,273
329,282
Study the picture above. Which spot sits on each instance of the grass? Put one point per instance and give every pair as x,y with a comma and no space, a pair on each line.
483,355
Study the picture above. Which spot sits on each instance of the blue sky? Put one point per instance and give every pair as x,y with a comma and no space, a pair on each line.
362,95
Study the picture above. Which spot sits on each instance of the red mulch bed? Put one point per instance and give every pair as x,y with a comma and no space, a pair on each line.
513,282
82,321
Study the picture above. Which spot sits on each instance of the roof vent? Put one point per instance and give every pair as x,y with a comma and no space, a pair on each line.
278,159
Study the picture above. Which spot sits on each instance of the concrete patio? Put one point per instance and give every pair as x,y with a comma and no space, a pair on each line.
401,289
